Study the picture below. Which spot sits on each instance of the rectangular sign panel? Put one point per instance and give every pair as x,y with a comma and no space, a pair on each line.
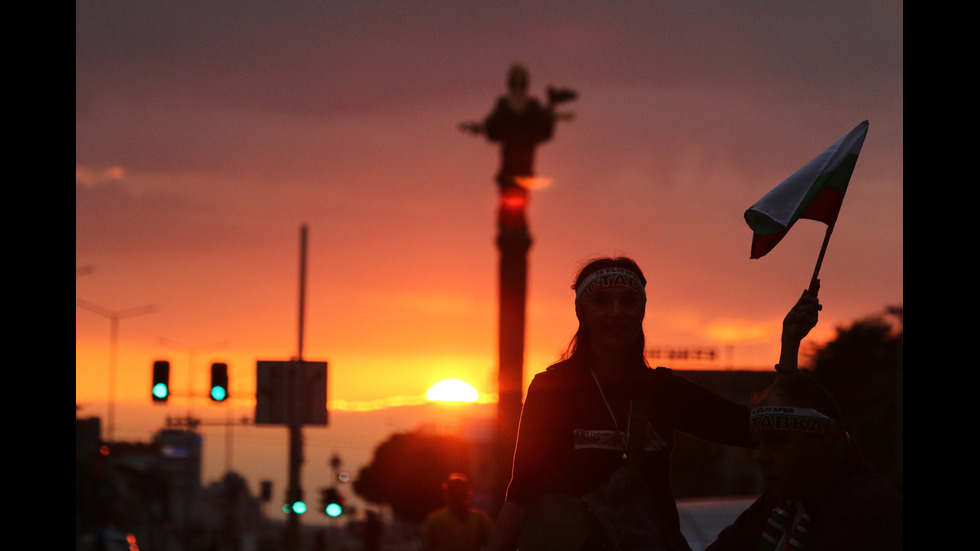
285,389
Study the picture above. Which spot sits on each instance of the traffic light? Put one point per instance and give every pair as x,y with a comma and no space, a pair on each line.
298,507
513,200
331,502
294,502
161,381
219,382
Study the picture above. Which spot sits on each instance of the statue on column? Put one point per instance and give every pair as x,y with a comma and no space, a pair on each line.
519,123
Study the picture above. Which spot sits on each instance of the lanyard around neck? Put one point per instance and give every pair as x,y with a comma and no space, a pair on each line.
629,418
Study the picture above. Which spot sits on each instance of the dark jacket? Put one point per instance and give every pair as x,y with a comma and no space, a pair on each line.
569,444
855,509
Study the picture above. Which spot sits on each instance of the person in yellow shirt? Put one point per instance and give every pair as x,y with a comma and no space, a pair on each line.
457,526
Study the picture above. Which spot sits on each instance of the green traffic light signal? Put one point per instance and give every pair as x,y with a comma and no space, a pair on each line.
331,502
160,390
218,394
298,507
219,382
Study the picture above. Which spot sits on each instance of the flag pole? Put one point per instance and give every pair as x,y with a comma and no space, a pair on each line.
815,279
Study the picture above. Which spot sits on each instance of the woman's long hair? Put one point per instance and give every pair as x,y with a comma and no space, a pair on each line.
580,347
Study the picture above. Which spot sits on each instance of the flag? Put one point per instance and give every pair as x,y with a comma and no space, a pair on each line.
814,192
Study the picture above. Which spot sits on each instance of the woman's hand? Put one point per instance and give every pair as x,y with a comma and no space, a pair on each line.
796,326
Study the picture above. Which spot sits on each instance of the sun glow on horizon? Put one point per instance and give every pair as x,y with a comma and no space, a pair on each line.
397,401
452,390
740,331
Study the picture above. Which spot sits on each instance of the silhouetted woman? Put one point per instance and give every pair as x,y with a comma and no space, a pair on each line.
597,431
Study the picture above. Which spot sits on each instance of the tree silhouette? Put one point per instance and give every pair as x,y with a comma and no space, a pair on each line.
407,472
862,368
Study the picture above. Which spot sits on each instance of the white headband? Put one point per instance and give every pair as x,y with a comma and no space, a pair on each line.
795,419
606,278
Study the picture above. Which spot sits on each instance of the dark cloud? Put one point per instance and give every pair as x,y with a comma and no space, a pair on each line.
315,58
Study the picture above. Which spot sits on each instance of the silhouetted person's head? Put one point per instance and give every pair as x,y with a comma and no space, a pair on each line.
457,490
610,303
797,428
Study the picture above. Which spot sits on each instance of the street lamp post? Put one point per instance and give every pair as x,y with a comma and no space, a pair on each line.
114,318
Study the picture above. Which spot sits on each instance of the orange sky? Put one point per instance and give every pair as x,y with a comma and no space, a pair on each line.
207,136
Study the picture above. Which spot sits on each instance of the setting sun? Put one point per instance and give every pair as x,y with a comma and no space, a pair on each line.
452,390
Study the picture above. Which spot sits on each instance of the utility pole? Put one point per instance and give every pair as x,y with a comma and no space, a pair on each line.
294,489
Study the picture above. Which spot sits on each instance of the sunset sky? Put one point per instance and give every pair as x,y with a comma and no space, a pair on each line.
208,133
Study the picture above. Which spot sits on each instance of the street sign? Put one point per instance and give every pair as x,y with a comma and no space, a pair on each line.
285,389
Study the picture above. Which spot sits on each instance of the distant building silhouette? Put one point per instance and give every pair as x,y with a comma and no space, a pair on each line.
153,490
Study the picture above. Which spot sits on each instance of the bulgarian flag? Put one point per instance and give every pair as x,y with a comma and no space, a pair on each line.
814,192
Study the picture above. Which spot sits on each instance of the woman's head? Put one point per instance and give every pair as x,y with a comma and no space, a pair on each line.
610,302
